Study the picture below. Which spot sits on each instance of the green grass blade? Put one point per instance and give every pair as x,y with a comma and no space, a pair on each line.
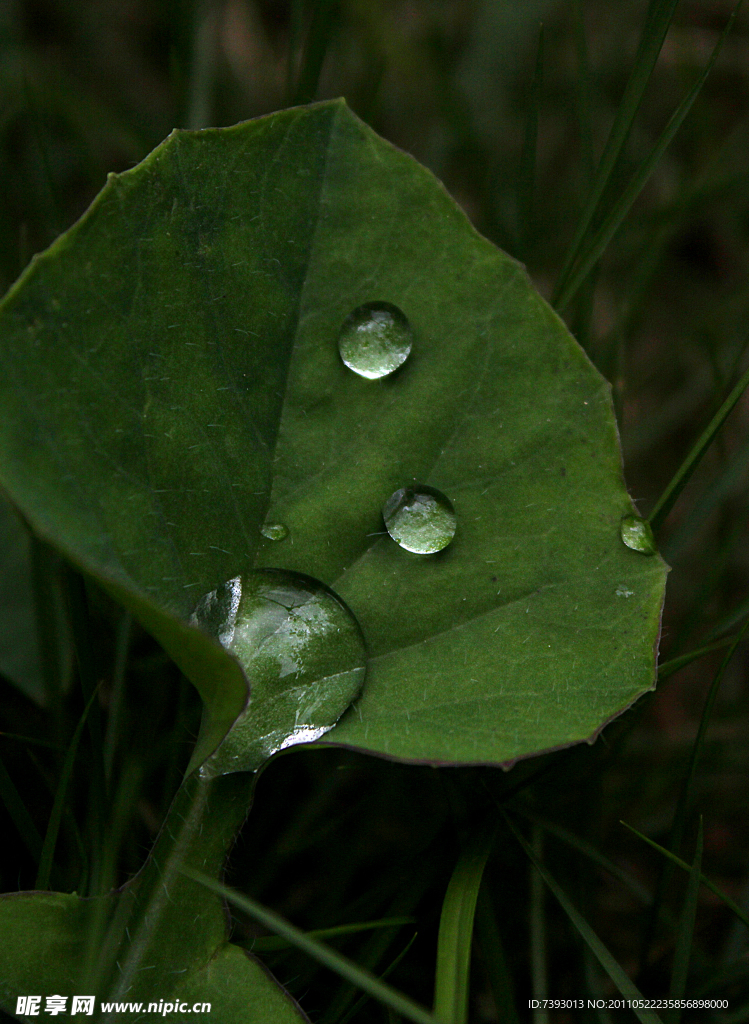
360,1002
19,815
682,807
680,479
654,32
677,830
613,220
668,668
30,740
296,18
53,826
530,145
205,45
537,923
376,947
584,104
320,33
328,957
122,649
685,933
274,943
456,933
587,850
493,955
735,616
724,897
623,982
45,569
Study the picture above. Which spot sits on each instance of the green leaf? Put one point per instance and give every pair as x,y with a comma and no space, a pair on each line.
47,934
170,383
162,936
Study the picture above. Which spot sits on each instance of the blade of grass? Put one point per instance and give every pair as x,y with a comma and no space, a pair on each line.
320,33
686,791
362,1000
539,972
122,648
273,943
668,668
45,570
375,948
493,955
82,632
296,18
205,30
530,145
731,481
20,817
328,957
53,825
456,932
582,322
724,897
682,806
685,933
680,479
739,612
585,263
657,22
623,982
594,984
31,740
576,843
582,88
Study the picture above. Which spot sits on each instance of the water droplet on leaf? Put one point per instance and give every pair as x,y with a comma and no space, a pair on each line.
275,531
302,651
421,519
637,535
375,339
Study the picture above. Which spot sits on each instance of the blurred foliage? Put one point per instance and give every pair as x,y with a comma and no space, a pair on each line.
90,87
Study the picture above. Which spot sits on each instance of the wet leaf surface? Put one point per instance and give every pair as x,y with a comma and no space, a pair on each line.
172,385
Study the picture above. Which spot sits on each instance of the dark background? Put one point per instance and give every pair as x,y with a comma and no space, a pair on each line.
92,86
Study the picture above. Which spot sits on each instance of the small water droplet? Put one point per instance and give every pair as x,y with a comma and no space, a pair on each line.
375,339
637,535
623,591
302,651
420,519
274,531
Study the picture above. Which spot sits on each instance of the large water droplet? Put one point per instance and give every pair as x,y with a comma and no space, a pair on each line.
637,535
304,656
274,531
420,519
375,339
